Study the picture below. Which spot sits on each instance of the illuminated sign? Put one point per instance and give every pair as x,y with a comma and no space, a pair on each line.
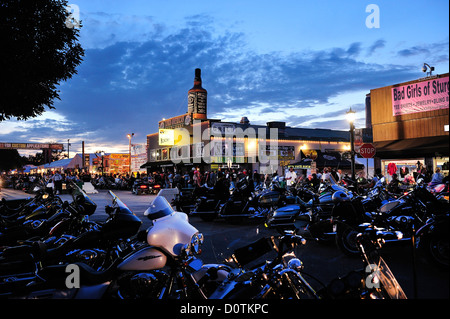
31,146
166,137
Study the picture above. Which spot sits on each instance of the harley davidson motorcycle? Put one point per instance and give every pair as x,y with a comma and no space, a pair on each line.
283,277
406,214
375,280
280,278
163,265
311,211
33,218
433,239
141,186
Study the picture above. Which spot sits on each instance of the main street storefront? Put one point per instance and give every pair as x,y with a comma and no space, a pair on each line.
192,141
410,125
256,151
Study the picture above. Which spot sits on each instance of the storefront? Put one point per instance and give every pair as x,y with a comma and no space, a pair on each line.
410,125
192,140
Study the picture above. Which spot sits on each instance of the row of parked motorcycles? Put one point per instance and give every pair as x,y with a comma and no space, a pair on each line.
331,212
52,249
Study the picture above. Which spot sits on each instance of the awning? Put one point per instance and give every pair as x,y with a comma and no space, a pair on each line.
157,164
436,146
326,159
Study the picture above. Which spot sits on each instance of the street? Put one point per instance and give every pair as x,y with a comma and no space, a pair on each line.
325,262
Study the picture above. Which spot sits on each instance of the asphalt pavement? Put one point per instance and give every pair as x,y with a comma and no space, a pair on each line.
324,261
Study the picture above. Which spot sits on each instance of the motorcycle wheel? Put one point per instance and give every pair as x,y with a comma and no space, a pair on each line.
346,240
318,230
438,249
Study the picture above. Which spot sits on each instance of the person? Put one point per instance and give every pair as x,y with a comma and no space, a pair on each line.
340,175
326,176
409,179
221,187
437,177
377,177
212,178
177,179
290,178
187,180
256,178
393,185
170,180
57,180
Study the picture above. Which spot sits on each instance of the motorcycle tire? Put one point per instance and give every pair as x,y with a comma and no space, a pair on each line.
438,250
346,240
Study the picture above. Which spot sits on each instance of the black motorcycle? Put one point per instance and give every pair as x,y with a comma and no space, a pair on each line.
280,278
405,214
433,239
208,200
24,267
375,280
141,186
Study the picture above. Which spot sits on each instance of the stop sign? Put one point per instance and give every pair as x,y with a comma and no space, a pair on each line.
367,150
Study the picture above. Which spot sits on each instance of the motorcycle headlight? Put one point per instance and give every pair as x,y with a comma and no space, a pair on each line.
196,243
295,264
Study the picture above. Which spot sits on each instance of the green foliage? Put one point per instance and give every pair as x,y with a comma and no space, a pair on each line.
38,52
10,159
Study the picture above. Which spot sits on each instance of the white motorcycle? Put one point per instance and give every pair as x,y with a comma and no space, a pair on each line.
164,265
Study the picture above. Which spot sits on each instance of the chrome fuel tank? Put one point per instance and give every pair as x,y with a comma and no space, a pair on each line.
148,258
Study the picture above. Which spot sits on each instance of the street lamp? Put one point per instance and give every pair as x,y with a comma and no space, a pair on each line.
129,152
351,116
427,67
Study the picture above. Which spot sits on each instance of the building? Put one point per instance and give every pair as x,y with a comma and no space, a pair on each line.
192,140
410,123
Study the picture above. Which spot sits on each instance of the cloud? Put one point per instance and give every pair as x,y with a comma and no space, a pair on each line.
128,83
379,44
430,50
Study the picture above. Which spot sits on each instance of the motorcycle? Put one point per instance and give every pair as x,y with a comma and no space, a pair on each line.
145,187
208,200
185,200
33,219
313,215
433,239
281,278
243,203
164,266
375,280
407,214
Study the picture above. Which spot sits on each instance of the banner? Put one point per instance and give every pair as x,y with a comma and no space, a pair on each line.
418,97
166,137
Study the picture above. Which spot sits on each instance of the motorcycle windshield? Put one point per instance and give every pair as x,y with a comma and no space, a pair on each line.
159,207
389,282
81,198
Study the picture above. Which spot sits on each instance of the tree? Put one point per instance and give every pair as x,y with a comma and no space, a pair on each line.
38,52
10,159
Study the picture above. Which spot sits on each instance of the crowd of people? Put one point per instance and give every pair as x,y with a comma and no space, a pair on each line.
194,177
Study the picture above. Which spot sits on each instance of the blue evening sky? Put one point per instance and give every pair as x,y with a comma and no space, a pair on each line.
303,62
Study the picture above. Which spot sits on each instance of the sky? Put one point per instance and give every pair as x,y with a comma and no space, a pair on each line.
302,62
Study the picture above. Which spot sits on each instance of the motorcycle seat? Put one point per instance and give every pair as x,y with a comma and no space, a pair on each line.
57,274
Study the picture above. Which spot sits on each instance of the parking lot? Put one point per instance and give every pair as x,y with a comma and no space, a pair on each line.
323,261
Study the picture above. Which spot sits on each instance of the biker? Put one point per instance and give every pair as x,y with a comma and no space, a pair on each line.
393,185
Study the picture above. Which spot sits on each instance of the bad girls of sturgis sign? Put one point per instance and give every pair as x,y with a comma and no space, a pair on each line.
418,97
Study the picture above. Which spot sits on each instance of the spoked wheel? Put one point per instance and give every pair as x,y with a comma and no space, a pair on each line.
346,240
439,250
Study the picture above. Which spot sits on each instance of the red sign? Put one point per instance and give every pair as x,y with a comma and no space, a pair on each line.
367,150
